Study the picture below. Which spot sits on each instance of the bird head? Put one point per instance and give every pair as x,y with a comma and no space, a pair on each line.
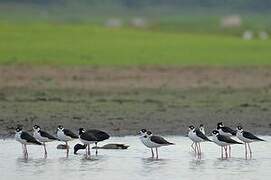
81,131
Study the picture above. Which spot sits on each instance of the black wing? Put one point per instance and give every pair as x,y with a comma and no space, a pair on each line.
69,133
29,138
227,139
229,130
100,135
160,140
47,135
88,136
201,135
251,136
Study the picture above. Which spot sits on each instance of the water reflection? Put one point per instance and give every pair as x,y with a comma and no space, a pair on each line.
176,162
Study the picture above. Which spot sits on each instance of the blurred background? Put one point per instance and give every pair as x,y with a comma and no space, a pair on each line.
123,65
126,32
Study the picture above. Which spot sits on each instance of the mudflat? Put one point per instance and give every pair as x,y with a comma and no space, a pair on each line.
122,100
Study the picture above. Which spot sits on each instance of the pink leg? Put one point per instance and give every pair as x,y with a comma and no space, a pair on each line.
156,153
221,152
152,153
246,150
194,148
26,153
199,149
226,151
45,151
229,151
67,146
250,152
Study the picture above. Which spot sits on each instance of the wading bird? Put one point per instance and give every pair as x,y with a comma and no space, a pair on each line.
247,138
25,139
65,135
223,141
43,137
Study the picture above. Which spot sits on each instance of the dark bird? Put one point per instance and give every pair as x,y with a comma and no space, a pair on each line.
91,136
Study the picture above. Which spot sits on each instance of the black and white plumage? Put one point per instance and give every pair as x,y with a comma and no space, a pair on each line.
197,136
43,137
226,131
152,141
91,136
25,139
223,141
65,135
247,138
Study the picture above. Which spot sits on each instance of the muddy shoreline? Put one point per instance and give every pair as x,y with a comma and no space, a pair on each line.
122,101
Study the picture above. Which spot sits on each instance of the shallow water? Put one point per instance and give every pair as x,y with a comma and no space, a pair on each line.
176,162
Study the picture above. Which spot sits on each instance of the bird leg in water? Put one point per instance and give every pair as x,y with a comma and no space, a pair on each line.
96,148
246,150
152,153
250,152
67,147
226,151
156,153
194,148
45,151
229,151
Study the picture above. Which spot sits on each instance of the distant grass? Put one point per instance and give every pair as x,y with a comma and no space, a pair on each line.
63,44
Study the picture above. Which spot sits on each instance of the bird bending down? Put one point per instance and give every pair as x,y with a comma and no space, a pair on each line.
65,135
151,141
25,139
197,137
88,137
223,141
225,131
247,138
43,137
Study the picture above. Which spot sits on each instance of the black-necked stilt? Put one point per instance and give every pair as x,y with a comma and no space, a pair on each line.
151,141
91,136
65,135
25,139
223,141
225,131
43,137
247,138
197,137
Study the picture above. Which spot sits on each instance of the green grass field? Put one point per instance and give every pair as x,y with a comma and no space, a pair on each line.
82,44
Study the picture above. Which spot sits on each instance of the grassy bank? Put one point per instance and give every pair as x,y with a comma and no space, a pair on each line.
64,44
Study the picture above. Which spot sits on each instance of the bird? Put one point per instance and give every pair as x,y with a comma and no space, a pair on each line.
91,136
247,138
65,135
42,137
112,146
226,131
196,136
78,147
25,139
152,141
223,141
